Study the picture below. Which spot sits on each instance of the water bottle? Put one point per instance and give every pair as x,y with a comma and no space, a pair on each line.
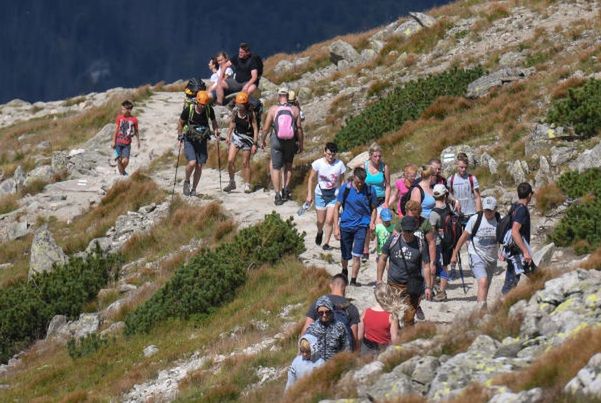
303,208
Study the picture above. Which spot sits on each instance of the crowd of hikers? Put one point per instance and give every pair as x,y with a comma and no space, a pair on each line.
416,225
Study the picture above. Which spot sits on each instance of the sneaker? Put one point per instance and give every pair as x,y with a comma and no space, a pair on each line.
365,257
326,247
440,296
231,186
419,313
318,238
355,283
193,193
278,199
186,188
247,188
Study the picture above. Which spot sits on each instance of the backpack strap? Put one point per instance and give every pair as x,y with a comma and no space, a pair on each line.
347,190
470,177
422,193
477,224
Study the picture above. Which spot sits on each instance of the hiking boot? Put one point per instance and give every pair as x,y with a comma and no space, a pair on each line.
419,313
278,199
193,193
440,296
319,238
286,194
186,188
247,188
231,186
326,247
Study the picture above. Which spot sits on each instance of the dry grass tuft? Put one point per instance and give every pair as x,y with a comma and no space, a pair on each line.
561,89
446,105
223,229
422,330
8,203
473,393
549,197
594,261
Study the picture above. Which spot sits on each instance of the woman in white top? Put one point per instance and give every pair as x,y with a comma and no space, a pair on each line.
219,73
330,173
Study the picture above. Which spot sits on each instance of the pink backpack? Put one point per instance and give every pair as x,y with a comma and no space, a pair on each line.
284,123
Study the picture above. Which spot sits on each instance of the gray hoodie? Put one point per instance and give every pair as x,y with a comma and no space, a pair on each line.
332,336
301,367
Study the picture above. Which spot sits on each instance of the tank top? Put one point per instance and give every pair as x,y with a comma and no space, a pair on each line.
376,180
243,125
427,205
403,189
377,326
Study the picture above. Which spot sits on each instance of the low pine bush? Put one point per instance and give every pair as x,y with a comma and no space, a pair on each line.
211,278
580,109
403,104
580,225
86,345
26,308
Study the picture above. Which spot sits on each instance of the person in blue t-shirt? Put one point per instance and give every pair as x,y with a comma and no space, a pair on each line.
358,202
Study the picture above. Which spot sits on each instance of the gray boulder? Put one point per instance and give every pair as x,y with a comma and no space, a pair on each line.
517,172
8,186
343,51
44,173
588,380
389,386
562,154
588,159
368,54
422,19
544,174
489,162
482,86
61,330
511,59
19,176
44,252
283,66
528,396
60,160
56,325
542,257
18,230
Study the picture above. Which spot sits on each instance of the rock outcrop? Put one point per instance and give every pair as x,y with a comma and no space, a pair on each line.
44,252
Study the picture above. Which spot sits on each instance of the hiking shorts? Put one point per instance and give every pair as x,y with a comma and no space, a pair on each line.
482,268
323,202
196,151
242,142
351,242
282,152
122,150
233,86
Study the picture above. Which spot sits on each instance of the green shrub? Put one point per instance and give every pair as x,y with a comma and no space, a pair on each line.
580,226
402,104
211,278
26,308
86,345
580,109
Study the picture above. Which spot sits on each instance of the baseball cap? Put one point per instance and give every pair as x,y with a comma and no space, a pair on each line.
489,203
439,190
385,214
283,91
408,223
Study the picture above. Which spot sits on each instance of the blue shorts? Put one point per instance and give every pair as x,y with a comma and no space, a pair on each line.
440,270
323,202
351,242
196,151
122,151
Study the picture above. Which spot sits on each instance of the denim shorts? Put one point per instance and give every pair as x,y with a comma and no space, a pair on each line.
323,202
351,242
195,150
122,150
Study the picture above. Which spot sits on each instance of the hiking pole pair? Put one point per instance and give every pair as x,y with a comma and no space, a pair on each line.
176,166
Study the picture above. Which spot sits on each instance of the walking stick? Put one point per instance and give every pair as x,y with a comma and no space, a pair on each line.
176,166
461,272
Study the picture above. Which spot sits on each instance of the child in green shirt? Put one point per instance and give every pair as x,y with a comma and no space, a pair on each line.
384,229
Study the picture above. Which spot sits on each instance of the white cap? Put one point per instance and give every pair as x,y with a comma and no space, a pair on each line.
489,203
439,190
283,90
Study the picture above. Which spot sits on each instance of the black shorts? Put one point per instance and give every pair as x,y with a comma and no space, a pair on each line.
196,151
282,152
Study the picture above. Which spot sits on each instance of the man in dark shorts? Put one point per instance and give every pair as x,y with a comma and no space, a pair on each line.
248,68
283,122
193,130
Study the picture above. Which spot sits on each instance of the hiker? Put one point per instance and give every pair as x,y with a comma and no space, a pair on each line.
329,172
358,202
126,128
191,89
378,176
306,361
383,230
331,334
248,68
440,219
465,188
402,186
242,135
344,310
293,100
286,140
407,271
516,249
220,72
480,232
422,191
436,166
379,326
193,130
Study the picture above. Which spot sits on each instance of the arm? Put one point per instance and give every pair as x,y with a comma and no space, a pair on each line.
266,127
230,128
336,220
517,238
394,330
372,223
381,266
180,127
114,141
253,149
478,199
394,193
387,186
361,330
460,242
415,195
215,127
310,185
355,331
299,131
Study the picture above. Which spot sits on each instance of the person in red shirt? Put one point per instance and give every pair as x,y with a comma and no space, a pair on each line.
126,128
379,324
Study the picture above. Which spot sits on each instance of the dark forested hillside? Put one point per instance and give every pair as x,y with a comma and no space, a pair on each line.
53,50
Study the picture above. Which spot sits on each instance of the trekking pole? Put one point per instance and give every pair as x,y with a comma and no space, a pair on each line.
461,272
219,160
176,166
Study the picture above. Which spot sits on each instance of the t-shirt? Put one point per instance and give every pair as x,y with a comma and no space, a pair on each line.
484,244
382,234
357,210
397,270
521,214
243,67
435,220
462,190
403,189
126,128
228,73
327,174
337,300
198,118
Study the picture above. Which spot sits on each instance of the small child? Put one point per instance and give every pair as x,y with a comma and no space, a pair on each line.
127,127
383,230
306,361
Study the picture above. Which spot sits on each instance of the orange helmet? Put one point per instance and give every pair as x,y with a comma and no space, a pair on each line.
202,97
242,98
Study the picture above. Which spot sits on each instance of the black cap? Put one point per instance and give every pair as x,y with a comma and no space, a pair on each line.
408,223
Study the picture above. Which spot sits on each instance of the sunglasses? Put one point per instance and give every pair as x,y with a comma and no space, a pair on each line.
323,313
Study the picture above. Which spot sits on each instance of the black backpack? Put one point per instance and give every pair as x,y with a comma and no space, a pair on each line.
341,315
407,196
451,227
505,225
479,221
